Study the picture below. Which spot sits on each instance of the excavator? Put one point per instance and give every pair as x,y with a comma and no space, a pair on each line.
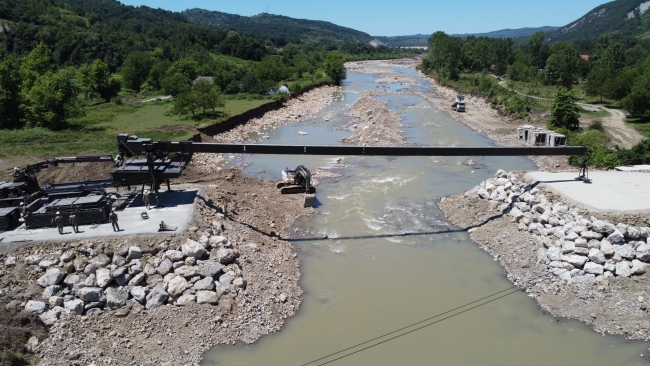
296,180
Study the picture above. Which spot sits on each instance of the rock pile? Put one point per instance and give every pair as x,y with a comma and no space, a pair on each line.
374,124
576,249
91,279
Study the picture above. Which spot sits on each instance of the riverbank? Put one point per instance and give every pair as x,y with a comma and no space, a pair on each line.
244,215
576,264
176,329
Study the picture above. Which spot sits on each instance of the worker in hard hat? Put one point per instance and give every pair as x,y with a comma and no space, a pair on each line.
147,198
58,220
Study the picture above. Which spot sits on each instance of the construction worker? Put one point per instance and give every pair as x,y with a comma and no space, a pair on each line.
147,198
23,209
58,220
74,223
113,218
118,161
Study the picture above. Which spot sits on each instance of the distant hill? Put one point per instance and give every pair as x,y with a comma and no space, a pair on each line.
509,33
420,40
620,18
278,27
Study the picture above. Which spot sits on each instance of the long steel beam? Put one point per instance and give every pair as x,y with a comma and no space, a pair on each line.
198,147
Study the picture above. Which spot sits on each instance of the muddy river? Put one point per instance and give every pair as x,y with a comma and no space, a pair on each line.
393,283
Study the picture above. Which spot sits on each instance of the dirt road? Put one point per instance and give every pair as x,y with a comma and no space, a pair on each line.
621,133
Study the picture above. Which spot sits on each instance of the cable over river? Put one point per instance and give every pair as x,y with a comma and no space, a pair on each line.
387,280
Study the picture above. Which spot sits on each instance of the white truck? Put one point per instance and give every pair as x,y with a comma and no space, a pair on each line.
459,104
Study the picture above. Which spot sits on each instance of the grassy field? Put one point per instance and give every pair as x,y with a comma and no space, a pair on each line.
640,124
96,132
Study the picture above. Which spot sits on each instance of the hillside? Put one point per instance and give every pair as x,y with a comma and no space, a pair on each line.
509,33
619,19
420,40
280,29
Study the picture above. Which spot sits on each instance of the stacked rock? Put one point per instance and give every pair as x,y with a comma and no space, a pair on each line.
85,281
576,249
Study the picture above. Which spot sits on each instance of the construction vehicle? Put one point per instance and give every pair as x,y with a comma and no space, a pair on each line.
459,104
296,180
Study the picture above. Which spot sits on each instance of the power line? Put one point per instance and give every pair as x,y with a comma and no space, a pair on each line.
409,326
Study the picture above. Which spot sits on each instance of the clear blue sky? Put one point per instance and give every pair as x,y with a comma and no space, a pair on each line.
403,17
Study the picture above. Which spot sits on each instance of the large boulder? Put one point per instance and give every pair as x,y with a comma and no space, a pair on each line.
11,261
91,294
101,261
74,306
52,277
604,227
638,267
225,256
137,279
33,259
74,279
596,256
207,297
623,269
589,235
68,256
206,284
643,252
139,293
156,297
177,286
51,291
50,317
174,255
193,249
210,268
187,271
165,267
226,279
186,300
616,237
593,268
116,297
588,280
632,233
35,307
134,253
575,260
607,248
48,262
626,251
554,253
103,277
217,240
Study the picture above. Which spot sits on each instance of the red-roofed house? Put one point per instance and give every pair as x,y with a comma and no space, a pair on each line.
585,57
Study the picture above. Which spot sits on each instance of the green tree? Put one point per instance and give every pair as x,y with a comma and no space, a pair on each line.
37,63
135,69
186,101
563,65
52,99
208,95
597,83
10,96
96,81
565,112
638,100
334,67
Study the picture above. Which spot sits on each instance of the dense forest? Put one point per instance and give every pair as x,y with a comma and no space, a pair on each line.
278,29
80,50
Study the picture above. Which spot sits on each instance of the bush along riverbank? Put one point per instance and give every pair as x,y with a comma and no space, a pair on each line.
576,264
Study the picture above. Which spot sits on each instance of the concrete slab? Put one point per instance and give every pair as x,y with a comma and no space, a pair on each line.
177,210
633,168
609,191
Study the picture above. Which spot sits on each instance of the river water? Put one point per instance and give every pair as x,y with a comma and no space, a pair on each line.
391,260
